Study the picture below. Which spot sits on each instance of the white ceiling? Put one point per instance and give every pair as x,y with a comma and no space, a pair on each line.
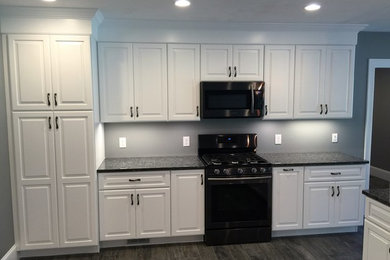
375,13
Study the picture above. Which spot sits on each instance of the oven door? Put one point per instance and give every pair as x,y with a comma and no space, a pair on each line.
232,99
238,202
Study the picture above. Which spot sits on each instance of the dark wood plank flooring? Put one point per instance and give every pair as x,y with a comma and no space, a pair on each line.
335,246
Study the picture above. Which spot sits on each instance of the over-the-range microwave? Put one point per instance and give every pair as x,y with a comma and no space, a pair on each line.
232,99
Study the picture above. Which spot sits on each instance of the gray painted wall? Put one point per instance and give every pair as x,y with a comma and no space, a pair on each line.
153,139
380,146
6,224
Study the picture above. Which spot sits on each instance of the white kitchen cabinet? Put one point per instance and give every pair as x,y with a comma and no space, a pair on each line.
376,242
333,204
153,213
187,189
183,81
150,82
117,214
55,176
116,82
323,82
279,81
36,179
287,198
232,62
50,72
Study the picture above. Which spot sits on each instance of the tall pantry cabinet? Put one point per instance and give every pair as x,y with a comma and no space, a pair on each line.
50,93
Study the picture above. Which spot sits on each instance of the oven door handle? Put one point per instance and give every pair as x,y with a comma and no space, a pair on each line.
252,101
239,179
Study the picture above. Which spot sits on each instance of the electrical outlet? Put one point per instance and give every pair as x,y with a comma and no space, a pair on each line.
335,138
278,139
186,141
122,142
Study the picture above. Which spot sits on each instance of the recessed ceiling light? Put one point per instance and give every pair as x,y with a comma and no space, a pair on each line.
49,0
182,3
312,7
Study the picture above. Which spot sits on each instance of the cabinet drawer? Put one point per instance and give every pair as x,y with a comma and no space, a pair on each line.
378,213
124,180
335,173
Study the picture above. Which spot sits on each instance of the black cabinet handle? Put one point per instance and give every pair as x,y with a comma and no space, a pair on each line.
322,109
266,109
136,111
137,199
288,170
230,71
131,112
197,111
55,99
326,109
49,121
201,179
132,180
332,191
235,71
132,201
48,99
56,122
335,173
338,191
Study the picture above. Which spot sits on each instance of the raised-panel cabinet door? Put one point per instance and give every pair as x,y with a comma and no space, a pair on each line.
340,63
318,205
77,212
183,82
150,82
216,62
71,70
376,242
153,213
279,81
349,203
309,81
248,62
117,214
36,179
287,198
30,72
187,191
116,82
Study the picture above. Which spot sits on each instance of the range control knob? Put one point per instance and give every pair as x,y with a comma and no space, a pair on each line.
226,171
262,170
240,171
253,170
217,171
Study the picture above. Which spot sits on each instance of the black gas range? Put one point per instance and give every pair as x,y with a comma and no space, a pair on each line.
238,189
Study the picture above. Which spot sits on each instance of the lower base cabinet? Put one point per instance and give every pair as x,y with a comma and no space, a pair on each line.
376,244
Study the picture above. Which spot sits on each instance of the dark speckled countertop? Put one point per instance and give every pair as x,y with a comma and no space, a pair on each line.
379,190
310,159
150,163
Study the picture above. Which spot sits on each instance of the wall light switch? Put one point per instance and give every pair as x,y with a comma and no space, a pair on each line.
122,142
335,138
278,139
186,141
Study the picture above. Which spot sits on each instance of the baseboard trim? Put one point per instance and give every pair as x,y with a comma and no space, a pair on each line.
11,254
59,251
317,231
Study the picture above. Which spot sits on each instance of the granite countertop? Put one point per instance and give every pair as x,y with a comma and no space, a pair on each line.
311,159
379,190
150,163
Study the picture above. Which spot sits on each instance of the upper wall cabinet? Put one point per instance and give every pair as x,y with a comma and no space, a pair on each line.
183,81
232,62
324,81
279,81
50,72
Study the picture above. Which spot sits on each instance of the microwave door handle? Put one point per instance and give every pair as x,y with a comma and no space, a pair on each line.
253,101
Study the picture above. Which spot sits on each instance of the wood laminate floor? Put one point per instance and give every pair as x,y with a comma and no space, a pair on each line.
336,246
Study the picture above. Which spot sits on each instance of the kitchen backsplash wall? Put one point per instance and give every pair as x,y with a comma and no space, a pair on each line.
154,139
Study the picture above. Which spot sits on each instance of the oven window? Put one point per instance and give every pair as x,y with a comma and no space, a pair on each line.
228,99
239,202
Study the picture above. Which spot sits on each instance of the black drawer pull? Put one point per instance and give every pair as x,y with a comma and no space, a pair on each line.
132,180
288,170
335,173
